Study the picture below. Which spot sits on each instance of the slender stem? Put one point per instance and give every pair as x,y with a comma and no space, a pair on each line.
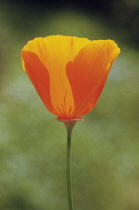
68,158
69,126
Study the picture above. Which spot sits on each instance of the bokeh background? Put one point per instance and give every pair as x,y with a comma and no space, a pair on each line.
105,145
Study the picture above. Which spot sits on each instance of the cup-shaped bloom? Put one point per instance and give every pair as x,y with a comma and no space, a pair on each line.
68,73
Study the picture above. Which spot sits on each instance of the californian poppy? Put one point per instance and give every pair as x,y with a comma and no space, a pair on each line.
69,73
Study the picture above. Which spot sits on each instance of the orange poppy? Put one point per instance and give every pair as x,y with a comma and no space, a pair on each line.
68,72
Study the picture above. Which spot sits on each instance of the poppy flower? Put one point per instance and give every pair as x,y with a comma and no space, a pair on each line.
69,73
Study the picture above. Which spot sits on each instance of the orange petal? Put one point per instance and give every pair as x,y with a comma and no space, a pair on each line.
54,52
93,100
86,75
110,48
39,76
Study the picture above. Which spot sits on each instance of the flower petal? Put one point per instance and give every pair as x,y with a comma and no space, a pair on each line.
110,47
92,102
112,50
54,52
39,76
86,75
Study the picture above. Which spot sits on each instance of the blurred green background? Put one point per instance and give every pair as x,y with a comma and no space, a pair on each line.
105,145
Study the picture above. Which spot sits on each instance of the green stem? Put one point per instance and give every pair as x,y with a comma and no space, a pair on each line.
69,127
69,170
